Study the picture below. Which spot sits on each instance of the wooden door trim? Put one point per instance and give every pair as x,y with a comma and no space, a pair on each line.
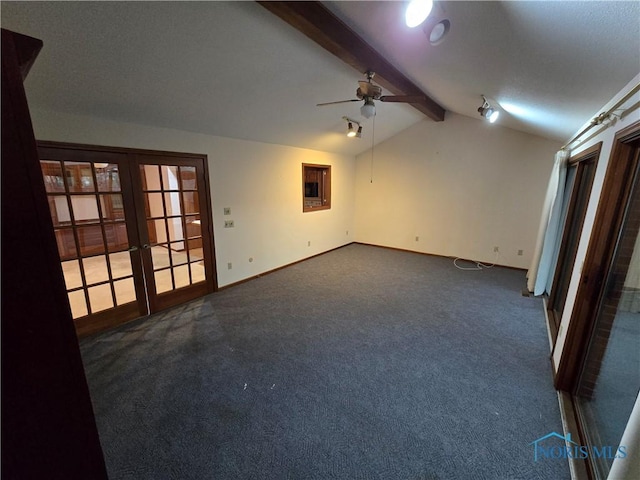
616,190
121,150
591,154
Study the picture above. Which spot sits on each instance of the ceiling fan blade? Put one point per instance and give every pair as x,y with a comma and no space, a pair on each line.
341,101
402,98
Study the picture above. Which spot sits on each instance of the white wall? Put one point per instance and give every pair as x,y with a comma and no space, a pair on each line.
261,183
606,136
462,186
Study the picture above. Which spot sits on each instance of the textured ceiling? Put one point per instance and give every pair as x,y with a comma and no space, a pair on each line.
233,69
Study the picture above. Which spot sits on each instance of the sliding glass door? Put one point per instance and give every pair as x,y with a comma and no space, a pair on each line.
609,381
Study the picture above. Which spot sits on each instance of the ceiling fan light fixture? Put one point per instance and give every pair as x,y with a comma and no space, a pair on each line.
368,110
350,131
417,12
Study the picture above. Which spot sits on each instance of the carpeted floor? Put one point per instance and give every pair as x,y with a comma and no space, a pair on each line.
364,363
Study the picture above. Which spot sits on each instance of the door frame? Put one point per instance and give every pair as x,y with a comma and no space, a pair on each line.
574,221
103,320
616,191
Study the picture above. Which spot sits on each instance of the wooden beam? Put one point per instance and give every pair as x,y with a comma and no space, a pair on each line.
319,24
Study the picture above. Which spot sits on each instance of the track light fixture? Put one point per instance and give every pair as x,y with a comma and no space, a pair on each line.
487,111
351,132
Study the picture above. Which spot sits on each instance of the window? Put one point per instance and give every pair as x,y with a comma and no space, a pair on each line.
580,175
316,187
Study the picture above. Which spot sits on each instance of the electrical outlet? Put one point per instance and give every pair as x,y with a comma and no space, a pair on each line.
229,266
520,252
496,249
227,210
228,224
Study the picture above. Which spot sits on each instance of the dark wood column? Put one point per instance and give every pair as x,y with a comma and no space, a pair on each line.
48,427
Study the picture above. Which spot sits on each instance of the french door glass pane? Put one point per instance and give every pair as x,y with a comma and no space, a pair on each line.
95,269
125,291
100,298
72,275
79,176
108,177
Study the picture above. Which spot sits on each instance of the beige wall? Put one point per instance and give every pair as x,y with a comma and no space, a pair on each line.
261,183
463,186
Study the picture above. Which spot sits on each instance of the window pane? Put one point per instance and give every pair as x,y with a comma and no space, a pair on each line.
71,271
79,176
190,202
153,205
195,254
163,280
160,256
59,209
181,275
125,291
150,177
90,240
100,298
52,174
178,253
95,269
85,209
78,304
116,236
170,177
194,228
172,203
66,243
188,178
112,207
120,264
108,177
157,231
197,272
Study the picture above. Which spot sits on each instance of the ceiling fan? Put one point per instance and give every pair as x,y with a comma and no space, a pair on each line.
369,91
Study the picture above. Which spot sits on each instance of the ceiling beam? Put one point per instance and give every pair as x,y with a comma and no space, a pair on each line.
319,24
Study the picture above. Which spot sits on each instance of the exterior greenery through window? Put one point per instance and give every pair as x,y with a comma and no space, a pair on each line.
316,187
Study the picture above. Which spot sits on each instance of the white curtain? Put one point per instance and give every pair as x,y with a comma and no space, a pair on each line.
550,229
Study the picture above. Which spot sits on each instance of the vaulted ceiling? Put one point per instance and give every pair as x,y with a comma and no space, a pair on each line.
234,69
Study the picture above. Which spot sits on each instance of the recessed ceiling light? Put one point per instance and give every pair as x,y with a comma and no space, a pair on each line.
439,31
417,12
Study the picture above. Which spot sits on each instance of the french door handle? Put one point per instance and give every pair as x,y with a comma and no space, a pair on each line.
146,246
132,249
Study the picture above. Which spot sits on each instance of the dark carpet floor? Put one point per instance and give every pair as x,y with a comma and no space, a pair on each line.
364,363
